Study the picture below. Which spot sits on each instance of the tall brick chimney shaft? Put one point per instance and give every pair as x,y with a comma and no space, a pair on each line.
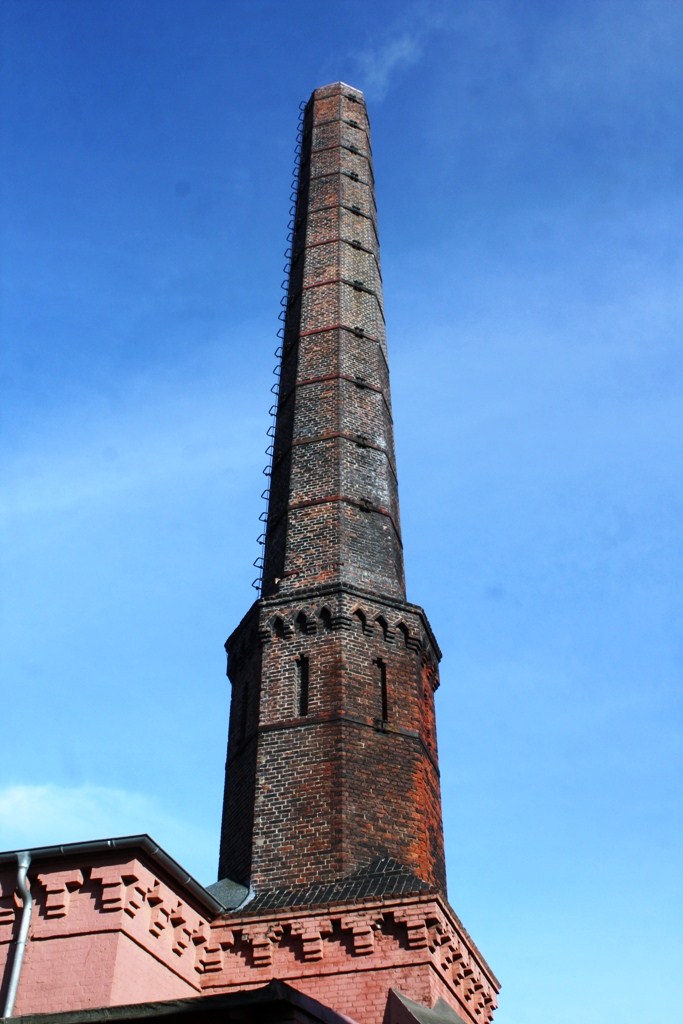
332,760
333,511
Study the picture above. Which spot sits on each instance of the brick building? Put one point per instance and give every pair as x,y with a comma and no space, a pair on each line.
331,901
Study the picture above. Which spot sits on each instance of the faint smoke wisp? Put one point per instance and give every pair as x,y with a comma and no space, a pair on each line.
379,66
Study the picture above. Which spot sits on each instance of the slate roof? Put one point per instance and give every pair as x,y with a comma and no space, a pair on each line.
383,877
229,893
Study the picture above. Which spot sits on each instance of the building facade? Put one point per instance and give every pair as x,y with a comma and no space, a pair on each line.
332,876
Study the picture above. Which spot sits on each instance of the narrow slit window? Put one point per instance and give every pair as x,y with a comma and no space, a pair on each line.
244,712
302,684
383,696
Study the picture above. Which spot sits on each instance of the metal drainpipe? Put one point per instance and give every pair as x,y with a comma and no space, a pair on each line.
20,948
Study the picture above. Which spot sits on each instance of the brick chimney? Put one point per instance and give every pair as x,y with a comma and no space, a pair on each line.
332,810
332,761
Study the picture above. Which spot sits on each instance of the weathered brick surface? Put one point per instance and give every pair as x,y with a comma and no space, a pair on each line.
354,778
332,805
318,793
333,511
321,785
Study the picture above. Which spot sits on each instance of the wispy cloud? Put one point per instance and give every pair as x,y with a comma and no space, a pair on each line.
380,65
404,45
48,814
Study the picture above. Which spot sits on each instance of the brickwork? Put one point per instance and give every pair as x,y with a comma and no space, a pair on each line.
332,810
104,931
354,778
333,511
349,956
318,794
332,780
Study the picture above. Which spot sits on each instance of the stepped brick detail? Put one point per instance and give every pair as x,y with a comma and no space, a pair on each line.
348,957
105,929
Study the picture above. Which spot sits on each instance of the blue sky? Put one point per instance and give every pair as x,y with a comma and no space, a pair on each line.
528,158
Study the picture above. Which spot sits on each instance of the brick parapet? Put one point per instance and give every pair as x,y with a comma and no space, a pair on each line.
350,955
104,930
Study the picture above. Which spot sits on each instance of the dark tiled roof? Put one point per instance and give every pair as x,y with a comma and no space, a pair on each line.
384,877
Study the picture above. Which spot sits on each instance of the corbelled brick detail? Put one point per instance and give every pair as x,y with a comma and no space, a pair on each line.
355,777
103,931
351,955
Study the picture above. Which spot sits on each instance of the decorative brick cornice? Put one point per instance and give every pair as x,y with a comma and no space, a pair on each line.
58,887
9,903
312,931
417,935
313,599
127,897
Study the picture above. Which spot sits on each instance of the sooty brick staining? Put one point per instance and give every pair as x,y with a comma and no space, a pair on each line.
332,760
354,778
333,514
